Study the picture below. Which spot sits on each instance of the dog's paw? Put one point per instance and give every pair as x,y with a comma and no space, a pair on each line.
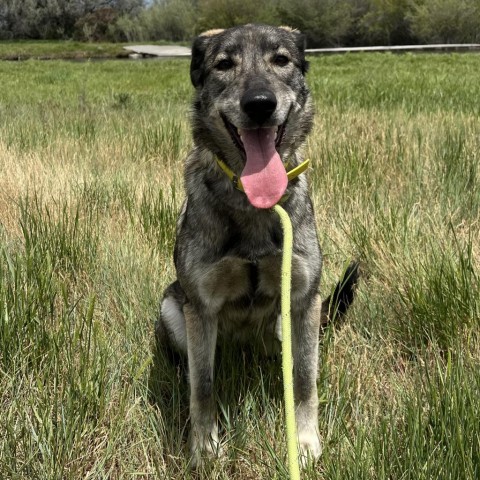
310,446
204,444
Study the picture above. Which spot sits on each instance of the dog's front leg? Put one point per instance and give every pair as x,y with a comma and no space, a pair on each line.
201,340
305,331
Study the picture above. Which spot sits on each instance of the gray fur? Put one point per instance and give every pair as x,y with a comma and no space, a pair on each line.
228,253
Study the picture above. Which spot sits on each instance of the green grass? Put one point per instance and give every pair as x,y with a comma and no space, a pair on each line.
50,49
66,50
91,161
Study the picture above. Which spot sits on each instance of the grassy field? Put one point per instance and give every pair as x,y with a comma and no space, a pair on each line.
65,50
50,49
90,187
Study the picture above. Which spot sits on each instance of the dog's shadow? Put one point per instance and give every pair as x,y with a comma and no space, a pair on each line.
241,372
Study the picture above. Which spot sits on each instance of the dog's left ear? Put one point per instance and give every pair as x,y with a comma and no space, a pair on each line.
197,70
301,43
199,47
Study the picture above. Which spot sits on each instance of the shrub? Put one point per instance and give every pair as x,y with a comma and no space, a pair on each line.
228,13
94,26
385,22
129,29
446,21
170,20
325,22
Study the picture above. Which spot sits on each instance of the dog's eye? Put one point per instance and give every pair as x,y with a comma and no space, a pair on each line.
225,64
281,60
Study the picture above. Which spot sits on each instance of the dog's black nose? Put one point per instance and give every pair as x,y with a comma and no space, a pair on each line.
259,104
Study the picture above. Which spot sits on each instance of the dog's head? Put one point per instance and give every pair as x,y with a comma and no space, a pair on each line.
252,103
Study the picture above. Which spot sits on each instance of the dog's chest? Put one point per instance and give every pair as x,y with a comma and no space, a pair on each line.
239,280
243,294
238,289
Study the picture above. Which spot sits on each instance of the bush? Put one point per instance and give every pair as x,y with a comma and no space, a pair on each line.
129,29
229,13
446,21
385,22
325,22
18,19
95,26
169,20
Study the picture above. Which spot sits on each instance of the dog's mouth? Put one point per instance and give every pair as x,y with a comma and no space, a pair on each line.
237,137
264,178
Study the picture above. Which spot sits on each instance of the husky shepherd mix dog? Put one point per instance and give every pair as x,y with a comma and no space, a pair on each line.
252,111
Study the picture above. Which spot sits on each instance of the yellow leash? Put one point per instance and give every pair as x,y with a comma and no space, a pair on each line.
286,284
287,361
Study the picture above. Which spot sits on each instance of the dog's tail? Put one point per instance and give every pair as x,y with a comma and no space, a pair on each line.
336,305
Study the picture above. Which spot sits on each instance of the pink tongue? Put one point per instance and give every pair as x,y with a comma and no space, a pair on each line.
264,178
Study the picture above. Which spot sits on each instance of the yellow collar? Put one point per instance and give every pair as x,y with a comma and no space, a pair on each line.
237,183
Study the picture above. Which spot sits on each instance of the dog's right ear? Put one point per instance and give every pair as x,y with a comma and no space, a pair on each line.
199,47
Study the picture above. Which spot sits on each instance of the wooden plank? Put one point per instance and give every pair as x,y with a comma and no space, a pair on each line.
159,50
462,47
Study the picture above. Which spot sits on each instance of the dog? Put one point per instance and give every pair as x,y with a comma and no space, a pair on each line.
252,112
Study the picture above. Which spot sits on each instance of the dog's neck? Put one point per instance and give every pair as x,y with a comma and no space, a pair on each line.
237,183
